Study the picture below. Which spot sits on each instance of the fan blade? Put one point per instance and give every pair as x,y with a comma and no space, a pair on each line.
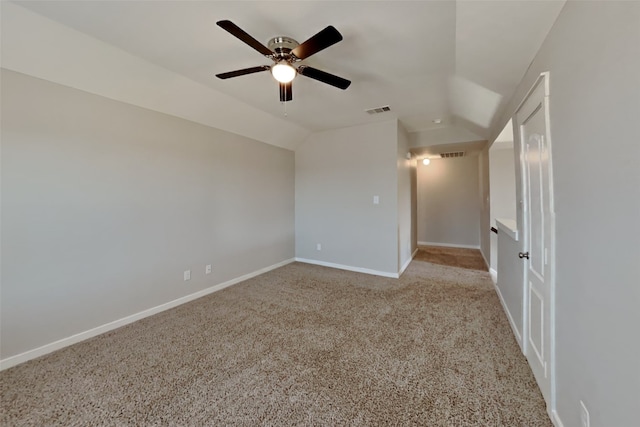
234,30
286,93
325,38
243,72
324,77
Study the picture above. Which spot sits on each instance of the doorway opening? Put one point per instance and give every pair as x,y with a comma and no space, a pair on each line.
502,189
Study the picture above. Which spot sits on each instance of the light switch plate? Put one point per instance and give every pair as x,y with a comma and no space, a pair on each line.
376,200
207,269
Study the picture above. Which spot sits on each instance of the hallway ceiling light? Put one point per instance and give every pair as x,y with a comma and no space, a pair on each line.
426,161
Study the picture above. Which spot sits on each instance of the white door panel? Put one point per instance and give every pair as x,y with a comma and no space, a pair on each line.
532,124
536,324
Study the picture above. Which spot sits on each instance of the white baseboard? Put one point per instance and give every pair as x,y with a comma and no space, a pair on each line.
515,330
65,342
555,419
494,276
449,245
486,262
349,268
406,264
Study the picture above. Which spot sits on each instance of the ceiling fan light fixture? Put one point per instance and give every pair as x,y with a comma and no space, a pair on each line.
284,52
283,72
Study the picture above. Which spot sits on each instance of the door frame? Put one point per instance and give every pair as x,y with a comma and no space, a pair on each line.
540,85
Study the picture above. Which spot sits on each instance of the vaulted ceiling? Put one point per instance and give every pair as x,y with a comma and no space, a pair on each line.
458,61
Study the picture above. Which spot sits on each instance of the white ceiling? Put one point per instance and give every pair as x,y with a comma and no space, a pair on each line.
455,60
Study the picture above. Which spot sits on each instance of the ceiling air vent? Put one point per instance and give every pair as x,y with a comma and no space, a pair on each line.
378,110
452,154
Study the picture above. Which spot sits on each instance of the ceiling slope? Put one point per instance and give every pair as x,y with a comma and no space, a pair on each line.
37,46
495,43
457,61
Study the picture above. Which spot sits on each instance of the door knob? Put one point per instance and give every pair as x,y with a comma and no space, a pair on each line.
523,255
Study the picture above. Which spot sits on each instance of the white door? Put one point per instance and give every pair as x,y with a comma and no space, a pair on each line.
538,243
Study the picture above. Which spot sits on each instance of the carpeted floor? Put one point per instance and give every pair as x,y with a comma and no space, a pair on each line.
301,345
454,257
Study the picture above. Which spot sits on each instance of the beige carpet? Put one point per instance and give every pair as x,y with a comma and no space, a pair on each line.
301,345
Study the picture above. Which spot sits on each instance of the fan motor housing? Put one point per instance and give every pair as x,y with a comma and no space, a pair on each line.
282,45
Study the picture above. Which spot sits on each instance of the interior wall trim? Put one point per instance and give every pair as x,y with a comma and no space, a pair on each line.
450,245
516,333
486,262
349,268
494,275
73,339
406,264
555,419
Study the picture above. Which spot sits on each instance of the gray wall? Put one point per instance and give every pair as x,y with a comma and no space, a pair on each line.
104,205
414,204
449,202
593,56
510,270
484,201
338,172
405,206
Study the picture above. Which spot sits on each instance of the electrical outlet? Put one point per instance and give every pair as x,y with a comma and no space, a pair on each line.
318,247
187,275
584,415
207,269
376,200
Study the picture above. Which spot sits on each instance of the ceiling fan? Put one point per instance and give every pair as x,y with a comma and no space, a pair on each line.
285,52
